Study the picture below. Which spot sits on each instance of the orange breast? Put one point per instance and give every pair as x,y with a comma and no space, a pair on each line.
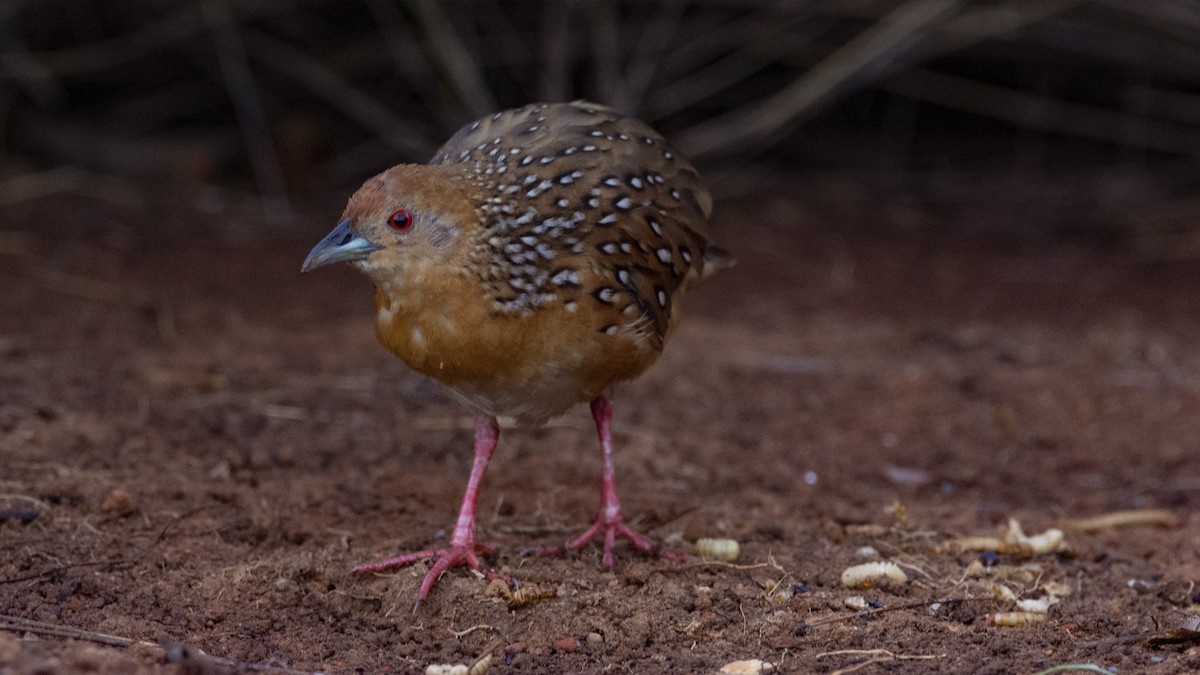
532,366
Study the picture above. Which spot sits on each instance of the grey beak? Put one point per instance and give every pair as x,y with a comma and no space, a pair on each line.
341,245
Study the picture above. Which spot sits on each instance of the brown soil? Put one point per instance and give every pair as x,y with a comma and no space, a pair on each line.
197,443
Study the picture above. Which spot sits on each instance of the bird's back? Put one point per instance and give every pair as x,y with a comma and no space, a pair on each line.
586,209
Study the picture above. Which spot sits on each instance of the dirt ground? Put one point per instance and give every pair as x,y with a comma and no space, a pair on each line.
197,443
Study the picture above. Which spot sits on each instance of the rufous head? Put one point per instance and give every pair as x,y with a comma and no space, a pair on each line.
399,226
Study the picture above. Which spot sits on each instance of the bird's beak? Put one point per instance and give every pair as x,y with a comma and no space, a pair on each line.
341,245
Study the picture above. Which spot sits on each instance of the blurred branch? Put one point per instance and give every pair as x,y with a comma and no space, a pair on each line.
1123,44
654,41
142,93
1044,113
872,52
453,57
15,62
243,94
767,47
330,87
606,51
113,52
408,59
1172,105
558,51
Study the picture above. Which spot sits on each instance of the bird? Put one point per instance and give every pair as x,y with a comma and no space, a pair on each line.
535,262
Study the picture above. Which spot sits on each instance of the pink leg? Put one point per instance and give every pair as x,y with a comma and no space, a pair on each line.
609,519
462,548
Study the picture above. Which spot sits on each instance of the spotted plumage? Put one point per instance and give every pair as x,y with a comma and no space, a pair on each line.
578,202
535,262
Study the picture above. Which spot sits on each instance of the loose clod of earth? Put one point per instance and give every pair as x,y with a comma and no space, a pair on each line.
538,260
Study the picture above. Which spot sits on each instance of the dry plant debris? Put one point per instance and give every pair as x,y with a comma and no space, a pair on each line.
1129,518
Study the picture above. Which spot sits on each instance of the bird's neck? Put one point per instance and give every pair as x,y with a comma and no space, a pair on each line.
429,324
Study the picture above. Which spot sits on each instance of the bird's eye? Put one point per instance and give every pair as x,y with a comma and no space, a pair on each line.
400,220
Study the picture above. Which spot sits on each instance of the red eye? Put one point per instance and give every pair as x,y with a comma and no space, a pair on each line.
400,220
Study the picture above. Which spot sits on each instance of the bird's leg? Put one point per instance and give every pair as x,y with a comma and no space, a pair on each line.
462,547
609,520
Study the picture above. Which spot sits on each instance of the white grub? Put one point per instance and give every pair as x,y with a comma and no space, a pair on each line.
481,665
1004,593
869,575
1050,541
1012,541
719,549
748,667
1015,619
856,602
1055,589
446,669
1037,605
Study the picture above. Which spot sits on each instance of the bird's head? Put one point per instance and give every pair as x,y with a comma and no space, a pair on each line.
399,227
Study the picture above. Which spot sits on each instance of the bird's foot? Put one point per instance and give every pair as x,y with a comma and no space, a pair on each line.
611,525
461,555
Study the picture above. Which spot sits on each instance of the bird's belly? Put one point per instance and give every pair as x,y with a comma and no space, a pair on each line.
533,403
530,368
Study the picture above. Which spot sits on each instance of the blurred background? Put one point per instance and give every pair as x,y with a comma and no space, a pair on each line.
1041,118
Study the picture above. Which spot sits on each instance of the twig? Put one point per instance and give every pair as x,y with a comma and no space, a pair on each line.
62,568
877,656
1159,517
732,566
1091,668
18,624
467,631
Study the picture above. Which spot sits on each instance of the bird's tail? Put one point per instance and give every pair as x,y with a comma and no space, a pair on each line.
715,260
